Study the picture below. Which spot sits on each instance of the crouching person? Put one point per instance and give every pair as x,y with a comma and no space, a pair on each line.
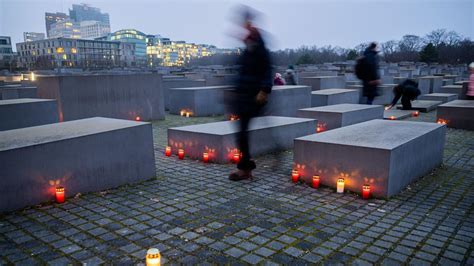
407,91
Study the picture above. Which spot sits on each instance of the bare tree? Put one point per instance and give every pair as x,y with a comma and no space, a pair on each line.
452,38
410,43
436,37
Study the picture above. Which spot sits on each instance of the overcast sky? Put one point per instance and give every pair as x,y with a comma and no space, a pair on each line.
290,23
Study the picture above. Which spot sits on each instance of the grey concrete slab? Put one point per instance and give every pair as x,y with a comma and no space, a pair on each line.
200,101
453,89
457,114
394,114
385,91
287,100
443,97
267,133
341,115
384,154
430,84
334,96
19,113
85,155
423,105
17,91
323,82
123,96
171,83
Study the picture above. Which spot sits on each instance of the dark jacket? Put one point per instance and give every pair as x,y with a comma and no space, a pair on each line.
408,88
255,75
372,63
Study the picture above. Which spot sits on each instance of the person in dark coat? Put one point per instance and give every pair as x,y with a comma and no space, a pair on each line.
408,91
290,76
372,79
253,85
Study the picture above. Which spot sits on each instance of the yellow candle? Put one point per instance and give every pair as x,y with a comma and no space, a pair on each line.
340,185
153,257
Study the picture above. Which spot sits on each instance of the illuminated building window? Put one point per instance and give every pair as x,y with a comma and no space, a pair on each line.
59,50
73,50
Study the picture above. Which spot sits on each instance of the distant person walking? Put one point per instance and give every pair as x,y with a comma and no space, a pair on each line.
278,80
367,69
408,91
290,76
254,83
470,88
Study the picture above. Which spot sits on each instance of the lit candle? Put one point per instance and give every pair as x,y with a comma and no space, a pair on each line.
318,129
340,185
32,76
442,121
137,118
181,154
168,151
295,176
392,117
188,114
365,191
315,181
60,193
205,157
236,157
182,112
153,257
416,113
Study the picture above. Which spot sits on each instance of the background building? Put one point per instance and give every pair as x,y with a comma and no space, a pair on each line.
33,36
84,12
51,18
135,37
66,28
68,52
7,57
91,29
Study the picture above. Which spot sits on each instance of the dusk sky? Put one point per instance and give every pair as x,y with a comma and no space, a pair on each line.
290,23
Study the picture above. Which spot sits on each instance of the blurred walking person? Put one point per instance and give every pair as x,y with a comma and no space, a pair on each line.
254,83
367,69
278,80
290,76
470,87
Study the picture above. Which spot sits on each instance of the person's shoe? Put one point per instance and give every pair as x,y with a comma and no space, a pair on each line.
240,175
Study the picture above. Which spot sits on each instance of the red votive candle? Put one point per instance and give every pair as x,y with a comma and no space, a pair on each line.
315,181
295,176
168,151
60,193
365,191
205,157
236,157
416,113
181,154
137,118
392,117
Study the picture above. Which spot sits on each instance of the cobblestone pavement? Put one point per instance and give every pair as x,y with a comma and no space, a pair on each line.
193,214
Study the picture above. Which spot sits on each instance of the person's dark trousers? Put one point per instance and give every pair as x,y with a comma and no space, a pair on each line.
370,100
370,92
406,102
243,138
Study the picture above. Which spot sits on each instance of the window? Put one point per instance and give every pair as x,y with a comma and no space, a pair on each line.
59,50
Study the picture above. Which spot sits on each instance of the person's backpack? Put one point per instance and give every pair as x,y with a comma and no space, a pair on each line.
360,68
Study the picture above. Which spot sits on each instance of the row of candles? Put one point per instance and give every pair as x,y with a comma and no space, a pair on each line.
185,113
205,155
295,177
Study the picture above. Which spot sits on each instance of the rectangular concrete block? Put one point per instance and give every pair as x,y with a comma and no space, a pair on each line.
394,114
423,105
453,89
171,83
267,133
457,114
200,101
385,94
341,115
85,155
124,96
324,82
334,96
287,100
19,113
17,92
384,154
430,84
442,97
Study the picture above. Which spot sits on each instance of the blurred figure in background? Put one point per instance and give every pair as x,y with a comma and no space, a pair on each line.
290,76
408,91
367,69
278,80
253,85
470,88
